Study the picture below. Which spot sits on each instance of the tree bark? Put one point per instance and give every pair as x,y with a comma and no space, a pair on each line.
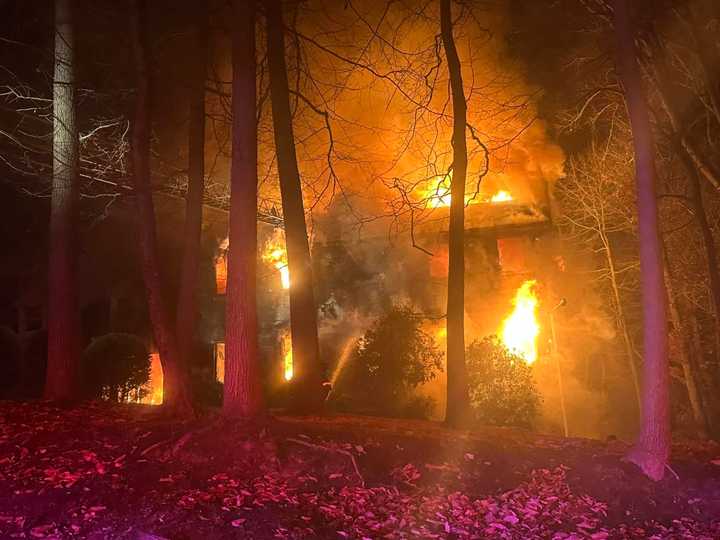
706,235
63,310
685,354
457,393
176,392
187,294
662,83
622,321
652,448
307,368
243,386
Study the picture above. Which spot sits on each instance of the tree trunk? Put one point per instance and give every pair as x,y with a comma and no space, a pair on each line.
176,395
187,294
307,368
652,448
63,311
708,240
685,354
663,87
457,393
243,386
621,320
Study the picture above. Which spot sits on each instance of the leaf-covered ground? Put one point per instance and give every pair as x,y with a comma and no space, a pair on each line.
122,472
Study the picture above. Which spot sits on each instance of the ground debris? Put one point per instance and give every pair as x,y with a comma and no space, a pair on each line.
83,473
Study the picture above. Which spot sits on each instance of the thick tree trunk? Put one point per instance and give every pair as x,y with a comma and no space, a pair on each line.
652,449
307,368
187,294
243,386
457,393
176,394
63,316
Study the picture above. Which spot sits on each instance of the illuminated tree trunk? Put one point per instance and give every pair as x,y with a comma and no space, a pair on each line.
457,393
243,386
620,314
307,369
652,448
187,295
176,394
63,316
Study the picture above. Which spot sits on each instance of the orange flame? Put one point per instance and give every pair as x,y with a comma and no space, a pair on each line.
154,385
287,356
501,196
437,194
275,254
520,329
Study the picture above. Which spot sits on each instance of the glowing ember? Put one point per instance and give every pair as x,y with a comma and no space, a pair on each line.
501,196
287,356
520,329
275,254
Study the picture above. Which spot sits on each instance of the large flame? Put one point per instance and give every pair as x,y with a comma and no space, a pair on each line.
501,196
437,194
287,356
520,329
275,254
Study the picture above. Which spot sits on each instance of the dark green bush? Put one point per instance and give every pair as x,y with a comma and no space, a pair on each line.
391,360
115,367
206,390
501,385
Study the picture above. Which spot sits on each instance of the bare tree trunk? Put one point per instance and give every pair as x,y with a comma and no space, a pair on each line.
307,368
243,386
652,448
63,311
457,393
187,294
706,49
176,394
685,354
622,321
663,87
708,240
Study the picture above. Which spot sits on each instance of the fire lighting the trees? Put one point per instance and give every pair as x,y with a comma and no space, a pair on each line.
154,386
275,254
437,194
519,331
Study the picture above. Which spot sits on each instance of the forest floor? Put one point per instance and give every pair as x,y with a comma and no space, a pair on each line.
121,472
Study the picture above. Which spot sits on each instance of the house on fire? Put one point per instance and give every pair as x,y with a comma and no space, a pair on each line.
505,242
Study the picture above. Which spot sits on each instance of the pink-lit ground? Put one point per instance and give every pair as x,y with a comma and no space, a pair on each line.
121,472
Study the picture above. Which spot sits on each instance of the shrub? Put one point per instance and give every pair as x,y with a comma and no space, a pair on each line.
391,360
501,385
206,390
115,367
